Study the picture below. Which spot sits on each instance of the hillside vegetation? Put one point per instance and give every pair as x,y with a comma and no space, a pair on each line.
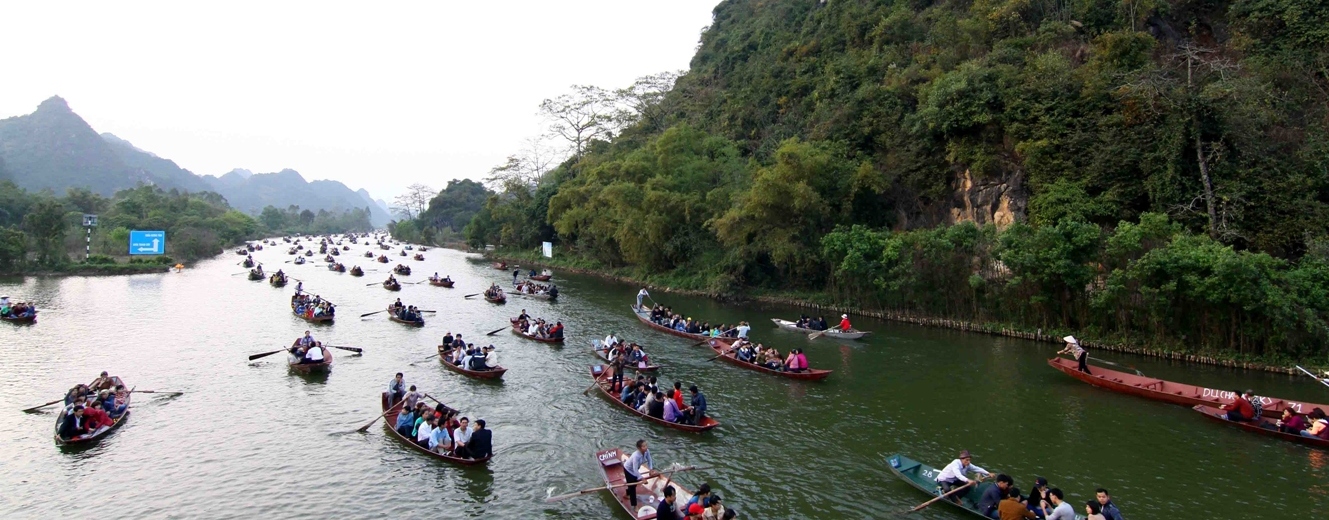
1146,171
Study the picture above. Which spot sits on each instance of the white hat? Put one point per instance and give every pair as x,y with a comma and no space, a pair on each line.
1071,339
846,316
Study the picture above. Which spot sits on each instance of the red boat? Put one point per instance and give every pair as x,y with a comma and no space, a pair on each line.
308,368
496,373
88,440
722,349
522,333
604,384
391,418
501,266
1167,391
440,283
649,492
645,317
1266,426
603,354
542,277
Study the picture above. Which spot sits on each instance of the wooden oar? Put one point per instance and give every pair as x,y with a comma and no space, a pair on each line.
373,284
419,310
372,313
1137,372
155,392
930,502
467,296
597,381
616,486
356,350
722,354
265,354
413,363
818,334
496,331
371,423
39,407
1317,378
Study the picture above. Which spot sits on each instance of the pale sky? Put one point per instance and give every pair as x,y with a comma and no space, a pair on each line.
375,95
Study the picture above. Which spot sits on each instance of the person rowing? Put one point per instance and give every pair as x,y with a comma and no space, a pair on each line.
953,475
1076,351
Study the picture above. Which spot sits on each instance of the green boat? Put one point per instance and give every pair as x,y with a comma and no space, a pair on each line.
924,477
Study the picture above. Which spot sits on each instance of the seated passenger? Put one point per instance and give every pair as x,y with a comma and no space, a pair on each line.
1319,426
1292,422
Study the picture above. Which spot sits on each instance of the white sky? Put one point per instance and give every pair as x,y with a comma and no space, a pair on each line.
377,97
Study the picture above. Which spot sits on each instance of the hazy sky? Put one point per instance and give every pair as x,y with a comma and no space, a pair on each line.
376,95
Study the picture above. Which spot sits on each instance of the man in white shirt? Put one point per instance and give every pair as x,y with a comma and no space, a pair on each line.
1062,509
424,432
743,329
491,358
610,341
314,354
642,294
462,437
953,475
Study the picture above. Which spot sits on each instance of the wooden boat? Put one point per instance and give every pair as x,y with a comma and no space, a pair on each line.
382,259
313,319
391,286
501,266
441,283
418,257
277,281
346,248
496,373
27,317
721,348
369,254
1265,426
402,270
605,384
423,249
335,252
247,263
88,440
602,353
499,299
649,492
258,247
542,277
832,333
1167,391
393,316
329,260
536,296
645,317
357,271
517,330
309,252
924,478
337,267
309,368
242,252
390,416
299,260
255,276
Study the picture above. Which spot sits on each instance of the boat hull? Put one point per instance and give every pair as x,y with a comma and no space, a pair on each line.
1265,426
924,478
721,349
391,421
496,373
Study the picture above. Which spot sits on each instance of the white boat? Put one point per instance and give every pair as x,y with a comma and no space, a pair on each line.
832,333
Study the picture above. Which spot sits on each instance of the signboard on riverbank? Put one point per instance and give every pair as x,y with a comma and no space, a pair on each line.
147,242
548,249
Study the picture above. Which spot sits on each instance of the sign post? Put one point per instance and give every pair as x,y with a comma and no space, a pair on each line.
548,249
147,242
89,222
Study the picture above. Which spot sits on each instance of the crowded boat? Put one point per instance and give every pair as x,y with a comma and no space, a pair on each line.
306,351
406,313
537,328
529,288
310,306
16,311
92,409
666,317
495,293
440,430
457,351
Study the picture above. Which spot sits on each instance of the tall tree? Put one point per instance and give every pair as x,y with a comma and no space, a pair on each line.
414,201
45,224
586,113
526,167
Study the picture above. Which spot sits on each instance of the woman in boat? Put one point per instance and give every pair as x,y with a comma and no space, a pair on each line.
773,360
1319,428
1093,511
1292,422
796,362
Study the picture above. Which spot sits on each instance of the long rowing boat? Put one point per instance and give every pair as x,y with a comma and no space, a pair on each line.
495,373
1265,426
441,283
924,478
830,333
308,368
392,315
723,349
605,384
649,492
93,438
1167,391
390,416
517,330
645,317
312,319
603,353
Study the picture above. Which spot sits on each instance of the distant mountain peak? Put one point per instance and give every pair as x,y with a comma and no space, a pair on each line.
243,173
54,104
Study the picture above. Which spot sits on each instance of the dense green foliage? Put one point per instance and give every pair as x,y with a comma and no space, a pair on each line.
41,231
447,215
1165,164
323,222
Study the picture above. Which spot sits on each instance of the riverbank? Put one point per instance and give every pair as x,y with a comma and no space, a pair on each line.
823,302
93,270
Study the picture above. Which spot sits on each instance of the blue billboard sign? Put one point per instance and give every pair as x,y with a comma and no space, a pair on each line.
147,242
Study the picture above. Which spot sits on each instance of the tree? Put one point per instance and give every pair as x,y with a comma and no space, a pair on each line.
643,100
414,201
45,225
587,113
526,167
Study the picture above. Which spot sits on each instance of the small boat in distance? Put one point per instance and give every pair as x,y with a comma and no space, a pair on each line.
830,333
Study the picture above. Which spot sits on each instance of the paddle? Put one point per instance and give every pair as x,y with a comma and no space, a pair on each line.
597,381
39,407
371,423
265,354
155,392
1317,378
356,350
467,296
421,310
818,334
1137,372
496,331
616,486
930,502
372,313
373,284
413,363
722,354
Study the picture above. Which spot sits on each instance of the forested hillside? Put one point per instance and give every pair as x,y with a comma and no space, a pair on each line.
1146,171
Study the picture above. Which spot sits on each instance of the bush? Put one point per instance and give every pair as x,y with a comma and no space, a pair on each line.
99,259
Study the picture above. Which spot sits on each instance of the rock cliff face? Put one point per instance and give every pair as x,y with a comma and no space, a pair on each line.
1000,201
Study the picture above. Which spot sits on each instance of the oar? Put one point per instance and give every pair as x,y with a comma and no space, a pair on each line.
421,310
371,423
413,363
616,486
372,313
708,338
39,407
155,392
238,274
356,350
952,492
496,331
1137,372
1317,378
597,381
722,354
467,296
265,354
818,334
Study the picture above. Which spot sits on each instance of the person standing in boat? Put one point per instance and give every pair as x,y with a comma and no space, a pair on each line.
1074,349
953,475
642,294
632,470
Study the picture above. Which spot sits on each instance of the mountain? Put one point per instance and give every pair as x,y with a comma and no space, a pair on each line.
377,202
251,192
53,148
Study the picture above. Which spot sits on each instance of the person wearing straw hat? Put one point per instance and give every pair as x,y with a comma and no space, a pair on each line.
1076,351
953,475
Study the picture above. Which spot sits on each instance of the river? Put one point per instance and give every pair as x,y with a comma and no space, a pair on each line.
250,439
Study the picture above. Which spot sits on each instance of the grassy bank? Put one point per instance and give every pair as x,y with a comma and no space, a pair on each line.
822,301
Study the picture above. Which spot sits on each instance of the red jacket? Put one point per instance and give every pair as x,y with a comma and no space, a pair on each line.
96,418
1242,406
